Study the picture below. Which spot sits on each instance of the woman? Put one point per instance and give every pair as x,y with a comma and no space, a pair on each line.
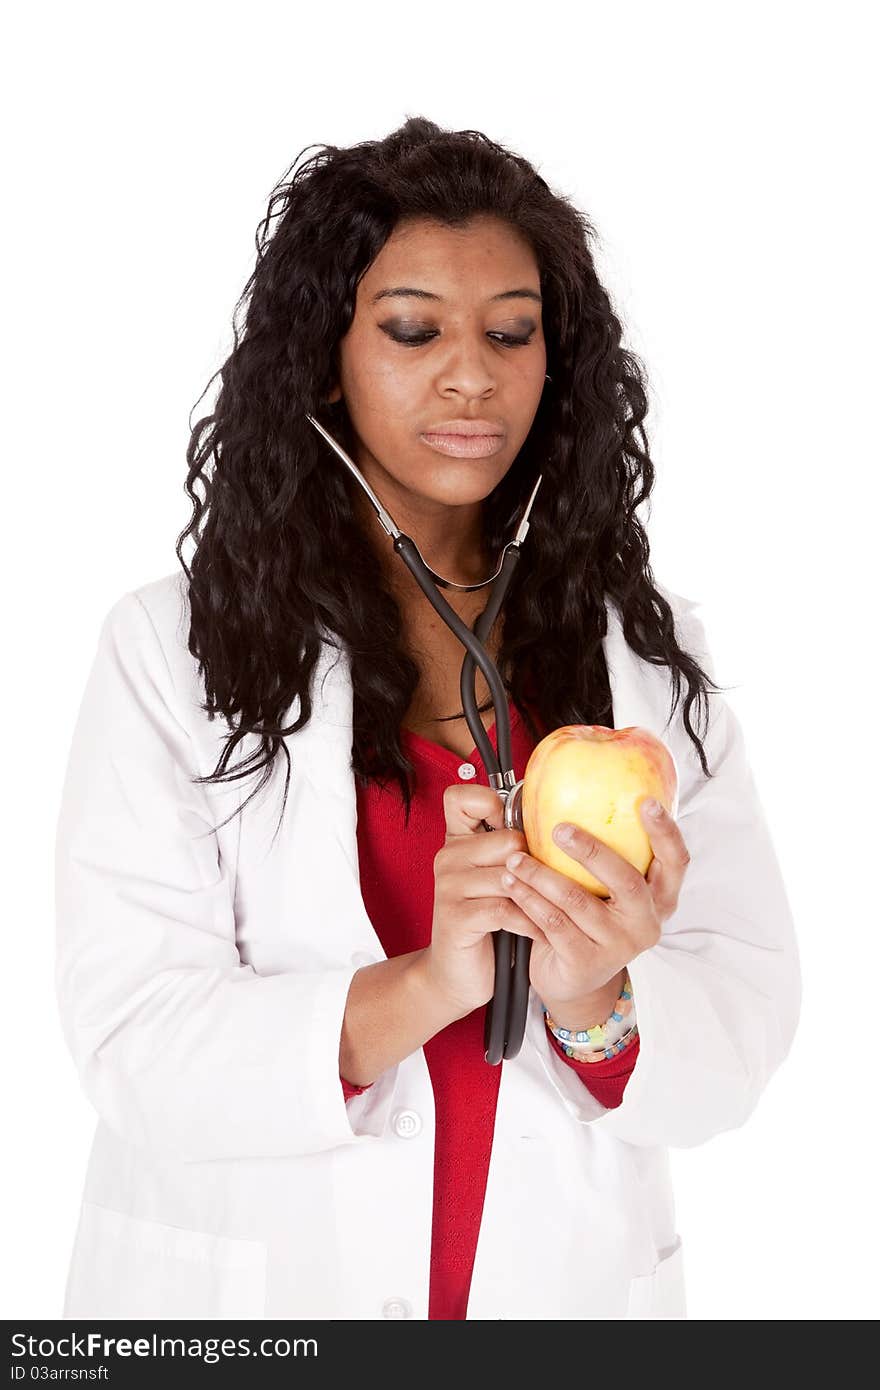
282,1032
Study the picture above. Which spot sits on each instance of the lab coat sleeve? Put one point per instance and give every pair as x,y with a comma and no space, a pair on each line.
718,996
181,1047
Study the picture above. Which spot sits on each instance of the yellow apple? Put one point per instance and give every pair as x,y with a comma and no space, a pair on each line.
596,778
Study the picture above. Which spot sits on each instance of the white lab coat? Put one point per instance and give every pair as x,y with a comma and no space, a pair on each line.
202,980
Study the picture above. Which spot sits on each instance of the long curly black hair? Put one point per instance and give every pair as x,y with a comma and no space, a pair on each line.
263,596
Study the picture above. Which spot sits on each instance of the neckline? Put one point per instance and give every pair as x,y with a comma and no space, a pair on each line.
449,755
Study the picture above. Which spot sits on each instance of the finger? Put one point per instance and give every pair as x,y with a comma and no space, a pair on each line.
493,908
464,881
671,855
490,913
558,905
518,923
622,880
467,805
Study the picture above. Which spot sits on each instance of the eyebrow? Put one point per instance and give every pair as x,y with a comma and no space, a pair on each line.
407,292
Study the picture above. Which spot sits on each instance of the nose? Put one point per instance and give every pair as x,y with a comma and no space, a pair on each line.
469,371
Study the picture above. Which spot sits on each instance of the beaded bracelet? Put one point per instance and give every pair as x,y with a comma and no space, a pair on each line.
605,1039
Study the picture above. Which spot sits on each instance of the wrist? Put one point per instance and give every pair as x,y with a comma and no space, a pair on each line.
590,1010
435,1005
587,1042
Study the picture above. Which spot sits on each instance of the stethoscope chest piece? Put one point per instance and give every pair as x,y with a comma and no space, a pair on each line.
513,817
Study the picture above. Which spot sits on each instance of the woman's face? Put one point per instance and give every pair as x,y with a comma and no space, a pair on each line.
464,343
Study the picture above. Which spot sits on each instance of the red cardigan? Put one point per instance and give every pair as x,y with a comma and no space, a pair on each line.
397,884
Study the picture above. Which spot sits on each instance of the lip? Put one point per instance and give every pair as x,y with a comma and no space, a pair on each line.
465,426
464,446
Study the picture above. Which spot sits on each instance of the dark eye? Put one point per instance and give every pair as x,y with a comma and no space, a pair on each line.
418,339
509,340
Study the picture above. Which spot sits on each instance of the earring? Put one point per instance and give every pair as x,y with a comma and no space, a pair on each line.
547,376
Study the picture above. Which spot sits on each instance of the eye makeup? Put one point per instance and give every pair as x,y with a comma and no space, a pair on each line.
414,335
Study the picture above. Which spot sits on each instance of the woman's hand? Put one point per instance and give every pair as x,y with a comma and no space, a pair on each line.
469,901
579,941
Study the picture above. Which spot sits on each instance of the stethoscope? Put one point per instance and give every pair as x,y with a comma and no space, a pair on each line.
508,1008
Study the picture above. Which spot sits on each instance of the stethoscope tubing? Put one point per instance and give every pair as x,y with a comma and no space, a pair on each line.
507,1011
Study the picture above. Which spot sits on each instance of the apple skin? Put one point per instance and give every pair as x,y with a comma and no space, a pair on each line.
596,778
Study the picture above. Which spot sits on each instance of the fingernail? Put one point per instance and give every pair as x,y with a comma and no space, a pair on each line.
653,807
563,834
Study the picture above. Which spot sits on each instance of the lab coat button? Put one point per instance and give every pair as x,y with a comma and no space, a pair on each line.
467,771
396,1308
407,1123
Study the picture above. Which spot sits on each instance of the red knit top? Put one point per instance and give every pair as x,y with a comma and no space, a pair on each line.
397,884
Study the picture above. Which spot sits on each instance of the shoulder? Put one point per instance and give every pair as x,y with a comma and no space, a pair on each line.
677,602
166,603
161,604
687,623
149,627
156,612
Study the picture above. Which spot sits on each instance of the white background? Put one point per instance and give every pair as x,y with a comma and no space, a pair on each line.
724,154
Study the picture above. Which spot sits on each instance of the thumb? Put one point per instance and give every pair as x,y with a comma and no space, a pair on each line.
466,807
